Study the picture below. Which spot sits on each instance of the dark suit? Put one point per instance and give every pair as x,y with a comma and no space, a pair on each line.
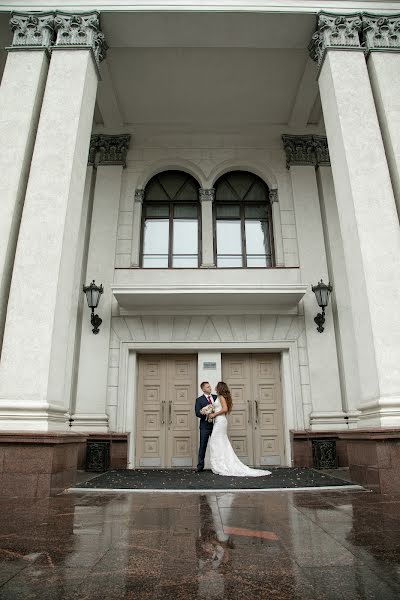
205,428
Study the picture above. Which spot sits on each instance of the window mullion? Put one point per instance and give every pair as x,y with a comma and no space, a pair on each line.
171,230
243,231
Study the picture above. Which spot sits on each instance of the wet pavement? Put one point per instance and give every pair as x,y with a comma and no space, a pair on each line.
236,546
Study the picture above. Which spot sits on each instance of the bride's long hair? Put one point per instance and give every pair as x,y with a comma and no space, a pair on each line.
223,390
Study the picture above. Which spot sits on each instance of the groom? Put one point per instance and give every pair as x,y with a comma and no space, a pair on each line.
205,427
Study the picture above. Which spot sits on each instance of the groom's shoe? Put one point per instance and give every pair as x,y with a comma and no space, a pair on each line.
199,470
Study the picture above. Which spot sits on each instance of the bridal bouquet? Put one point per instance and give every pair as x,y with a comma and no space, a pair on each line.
207,410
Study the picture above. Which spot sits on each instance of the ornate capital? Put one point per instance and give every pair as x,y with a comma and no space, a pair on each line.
81,30
273,195
335,31
321,150
205,195
32,30
139,196
381,32
299,150
93,149
306,150
113,149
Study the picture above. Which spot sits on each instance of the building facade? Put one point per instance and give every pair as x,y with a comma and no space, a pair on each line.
207,165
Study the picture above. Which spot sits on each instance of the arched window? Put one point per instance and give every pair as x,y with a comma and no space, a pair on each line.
243,222
171,221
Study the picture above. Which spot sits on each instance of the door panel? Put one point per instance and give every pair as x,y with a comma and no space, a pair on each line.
236,372
166,423
255,424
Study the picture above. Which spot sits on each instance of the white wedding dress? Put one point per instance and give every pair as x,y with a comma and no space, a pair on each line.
222,456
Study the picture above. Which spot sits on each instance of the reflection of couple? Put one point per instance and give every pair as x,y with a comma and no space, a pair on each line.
222,456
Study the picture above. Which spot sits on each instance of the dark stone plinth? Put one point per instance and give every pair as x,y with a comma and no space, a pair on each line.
302,447
118,449
37,465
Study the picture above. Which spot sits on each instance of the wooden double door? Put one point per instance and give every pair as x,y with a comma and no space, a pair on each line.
166,433
255,424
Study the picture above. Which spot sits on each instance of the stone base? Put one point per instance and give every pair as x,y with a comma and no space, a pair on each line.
38,465
302,454
372,455
118,449
374,459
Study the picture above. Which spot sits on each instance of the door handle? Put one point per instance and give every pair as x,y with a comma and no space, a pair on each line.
163,412
256,403
170,412
249,411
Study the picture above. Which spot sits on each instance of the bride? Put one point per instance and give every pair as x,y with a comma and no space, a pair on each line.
222,456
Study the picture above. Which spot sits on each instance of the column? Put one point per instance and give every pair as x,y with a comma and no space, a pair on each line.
277,228
367,214
91,395
137,227
206,198
344,330
326,401
381,36
33,376
21,95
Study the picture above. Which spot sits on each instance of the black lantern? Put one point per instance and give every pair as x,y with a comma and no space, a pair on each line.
322,293
93,293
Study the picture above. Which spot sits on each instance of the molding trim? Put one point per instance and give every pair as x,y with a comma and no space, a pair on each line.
309,150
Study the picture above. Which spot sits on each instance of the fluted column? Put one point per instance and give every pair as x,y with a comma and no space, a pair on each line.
206,197
381,37
21,95
367,213
91,395
326,399
33,375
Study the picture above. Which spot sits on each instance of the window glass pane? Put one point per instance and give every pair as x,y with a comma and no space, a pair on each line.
185,237
256,211
188,211
225,192
190,191
229,261
228,211
241,182
156,236
185,261
257,261
172,182
229,239
157,210
257,192
154,191
257,237
155,261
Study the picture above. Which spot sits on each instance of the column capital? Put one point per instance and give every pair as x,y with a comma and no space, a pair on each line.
381,32
311,150
206,194
321,150
32,30
80,31
113,149
92,149
139,196
299,150
273,195
335,31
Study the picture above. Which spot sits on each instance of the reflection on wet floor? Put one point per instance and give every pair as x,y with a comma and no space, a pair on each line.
290,545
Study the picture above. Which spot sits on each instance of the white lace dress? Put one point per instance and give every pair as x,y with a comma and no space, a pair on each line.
222,456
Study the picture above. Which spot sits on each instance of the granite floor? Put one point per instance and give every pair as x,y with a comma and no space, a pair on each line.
235,546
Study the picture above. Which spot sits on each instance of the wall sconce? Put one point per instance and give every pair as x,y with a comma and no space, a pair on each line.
93,293
322,292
